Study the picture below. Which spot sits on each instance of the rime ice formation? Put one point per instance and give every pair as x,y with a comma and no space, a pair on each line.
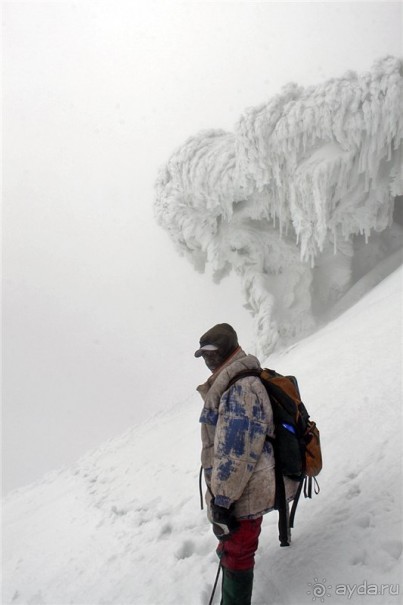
292,197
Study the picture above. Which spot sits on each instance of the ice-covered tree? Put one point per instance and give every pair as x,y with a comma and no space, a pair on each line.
292,196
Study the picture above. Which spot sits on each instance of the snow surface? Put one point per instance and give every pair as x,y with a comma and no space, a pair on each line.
289,199
124,526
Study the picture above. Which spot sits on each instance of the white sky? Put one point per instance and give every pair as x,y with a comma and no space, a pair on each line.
100,313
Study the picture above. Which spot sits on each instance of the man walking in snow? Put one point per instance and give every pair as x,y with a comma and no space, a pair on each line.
237,458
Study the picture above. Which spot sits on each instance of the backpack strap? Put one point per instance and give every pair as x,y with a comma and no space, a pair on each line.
295,503
281,506
310,485
280,499
280,503
244,374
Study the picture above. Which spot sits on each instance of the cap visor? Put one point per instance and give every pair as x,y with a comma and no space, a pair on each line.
200,351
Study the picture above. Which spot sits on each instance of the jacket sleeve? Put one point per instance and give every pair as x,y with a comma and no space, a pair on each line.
239,440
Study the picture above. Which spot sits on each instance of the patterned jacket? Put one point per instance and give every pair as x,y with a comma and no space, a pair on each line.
237,460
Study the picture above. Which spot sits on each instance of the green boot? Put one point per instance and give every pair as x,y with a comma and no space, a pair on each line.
236,587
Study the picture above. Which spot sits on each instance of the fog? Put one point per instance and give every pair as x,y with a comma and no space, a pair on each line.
100,314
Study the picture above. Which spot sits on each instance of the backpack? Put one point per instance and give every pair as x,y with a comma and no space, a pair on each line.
296,444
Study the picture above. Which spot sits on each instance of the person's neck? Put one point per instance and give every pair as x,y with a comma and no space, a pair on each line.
225,362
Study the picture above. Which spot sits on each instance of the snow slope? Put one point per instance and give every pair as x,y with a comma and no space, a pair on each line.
124,526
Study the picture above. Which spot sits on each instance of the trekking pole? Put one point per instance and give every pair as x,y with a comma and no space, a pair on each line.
215,584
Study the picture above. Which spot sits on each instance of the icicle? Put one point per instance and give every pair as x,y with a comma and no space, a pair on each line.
299,171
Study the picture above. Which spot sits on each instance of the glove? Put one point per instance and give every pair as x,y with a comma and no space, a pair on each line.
223,520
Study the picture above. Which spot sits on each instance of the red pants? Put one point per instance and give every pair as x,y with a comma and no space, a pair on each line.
237,553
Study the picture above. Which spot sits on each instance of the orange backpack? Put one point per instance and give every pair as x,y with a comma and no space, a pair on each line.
296,444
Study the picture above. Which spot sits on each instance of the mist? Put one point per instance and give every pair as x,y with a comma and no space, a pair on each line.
99,312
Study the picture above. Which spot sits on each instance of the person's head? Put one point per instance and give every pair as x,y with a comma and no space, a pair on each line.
217,344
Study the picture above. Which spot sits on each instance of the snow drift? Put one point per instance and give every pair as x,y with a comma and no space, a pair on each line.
123,526
290,199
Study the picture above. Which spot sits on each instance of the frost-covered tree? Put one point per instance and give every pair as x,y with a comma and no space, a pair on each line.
292,196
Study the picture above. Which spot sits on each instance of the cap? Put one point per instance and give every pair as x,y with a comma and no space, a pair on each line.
221,338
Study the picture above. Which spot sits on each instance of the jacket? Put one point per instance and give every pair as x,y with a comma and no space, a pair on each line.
237,459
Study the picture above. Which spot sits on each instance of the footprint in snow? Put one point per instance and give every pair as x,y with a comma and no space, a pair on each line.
393,548
353,492
364,521
186,550
166,531
359,558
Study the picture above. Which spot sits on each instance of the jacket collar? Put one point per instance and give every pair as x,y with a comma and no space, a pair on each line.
212,390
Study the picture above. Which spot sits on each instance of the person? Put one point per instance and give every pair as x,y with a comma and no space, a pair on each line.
237,459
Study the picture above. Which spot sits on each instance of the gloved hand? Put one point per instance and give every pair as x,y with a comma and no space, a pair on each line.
223,520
